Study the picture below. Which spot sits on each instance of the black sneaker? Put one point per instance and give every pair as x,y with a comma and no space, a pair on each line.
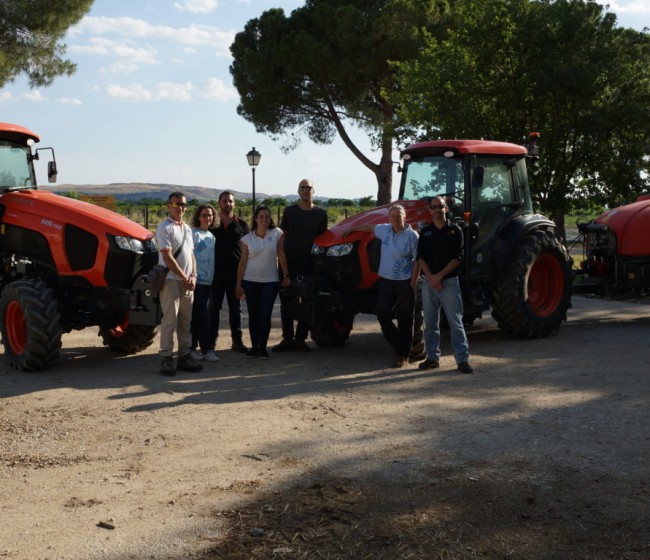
429,364
187,363
239,346
263,354
167,366
301,346
253,353
417,356
464,367
284,346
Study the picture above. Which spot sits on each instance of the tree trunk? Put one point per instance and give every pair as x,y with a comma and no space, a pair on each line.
385,172
560,231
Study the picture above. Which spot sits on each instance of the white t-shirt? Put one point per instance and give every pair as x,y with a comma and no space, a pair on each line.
262,264
169,236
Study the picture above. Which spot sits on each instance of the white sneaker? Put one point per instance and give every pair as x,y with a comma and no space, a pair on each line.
210,356
196,355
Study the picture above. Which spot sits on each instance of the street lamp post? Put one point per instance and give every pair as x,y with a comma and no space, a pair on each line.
253,158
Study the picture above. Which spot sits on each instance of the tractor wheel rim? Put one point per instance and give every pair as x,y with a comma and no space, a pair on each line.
15,328
120,330
545,285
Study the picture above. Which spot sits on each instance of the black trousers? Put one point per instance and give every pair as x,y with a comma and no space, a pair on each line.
397,294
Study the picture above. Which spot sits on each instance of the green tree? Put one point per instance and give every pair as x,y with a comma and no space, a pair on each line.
562,68
325,68
30,35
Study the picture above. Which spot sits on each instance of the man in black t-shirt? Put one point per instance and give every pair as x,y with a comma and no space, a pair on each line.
301,223
227,233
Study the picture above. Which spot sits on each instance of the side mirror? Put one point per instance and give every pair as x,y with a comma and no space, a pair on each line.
477,178
51,171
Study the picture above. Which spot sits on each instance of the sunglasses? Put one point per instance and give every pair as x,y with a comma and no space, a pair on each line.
434,206
305,188
178,205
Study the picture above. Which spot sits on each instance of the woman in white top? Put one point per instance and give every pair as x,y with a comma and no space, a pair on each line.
257,277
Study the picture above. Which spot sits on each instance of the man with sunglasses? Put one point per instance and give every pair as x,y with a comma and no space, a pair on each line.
440,253
176,252
301,223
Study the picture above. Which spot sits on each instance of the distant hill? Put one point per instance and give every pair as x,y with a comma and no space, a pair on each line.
137,191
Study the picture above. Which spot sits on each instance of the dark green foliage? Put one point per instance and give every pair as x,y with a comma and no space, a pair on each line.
563,68
30,35
325,68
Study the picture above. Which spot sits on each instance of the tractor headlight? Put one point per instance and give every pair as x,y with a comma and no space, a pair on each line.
339,250
129,244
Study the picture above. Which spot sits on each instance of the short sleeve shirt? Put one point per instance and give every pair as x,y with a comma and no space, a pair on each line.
398,251
169,236
439,246
262,264
204,254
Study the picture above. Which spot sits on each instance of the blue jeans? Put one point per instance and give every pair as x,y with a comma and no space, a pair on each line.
451,302
201,331
260,297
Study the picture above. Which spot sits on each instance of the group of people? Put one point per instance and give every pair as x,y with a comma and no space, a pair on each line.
214,260
221,257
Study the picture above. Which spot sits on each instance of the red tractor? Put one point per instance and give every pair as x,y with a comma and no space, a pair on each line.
616,248
514,262
66,265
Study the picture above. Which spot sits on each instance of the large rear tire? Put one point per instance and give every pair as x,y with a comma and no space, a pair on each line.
332,330
531,297
128,339
31,325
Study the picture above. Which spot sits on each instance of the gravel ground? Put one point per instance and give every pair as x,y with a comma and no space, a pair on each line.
541,454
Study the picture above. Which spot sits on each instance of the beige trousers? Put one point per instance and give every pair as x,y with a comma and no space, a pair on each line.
176,305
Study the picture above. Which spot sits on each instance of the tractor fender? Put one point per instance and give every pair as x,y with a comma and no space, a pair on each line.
511,235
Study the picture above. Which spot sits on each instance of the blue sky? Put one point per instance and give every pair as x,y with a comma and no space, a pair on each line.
152,101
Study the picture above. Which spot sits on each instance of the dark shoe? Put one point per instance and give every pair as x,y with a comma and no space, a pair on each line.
238,346
399,361
187,363
301,346
253,353
429,364
284,346
263,354
167,366
464,367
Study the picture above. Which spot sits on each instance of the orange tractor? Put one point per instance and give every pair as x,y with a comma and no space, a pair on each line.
66,265
514,263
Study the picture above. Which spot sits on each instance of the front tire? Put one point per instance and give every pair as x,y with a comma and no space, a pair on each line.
31,325
531,297
332,330
126,338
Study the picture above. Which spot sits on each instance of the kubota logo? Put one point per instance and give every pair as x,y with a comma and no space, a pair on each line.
50,223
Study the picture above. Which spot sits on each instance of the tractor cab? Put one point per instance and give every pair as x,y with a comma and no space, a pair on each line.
484,184
17,158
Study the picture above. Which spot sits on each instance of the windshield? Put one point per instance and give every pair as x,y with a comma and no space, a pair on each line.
431,176
15,168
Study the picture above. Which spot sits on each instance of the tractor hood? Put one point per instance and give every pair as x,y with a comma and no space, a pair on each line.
631,224
417,215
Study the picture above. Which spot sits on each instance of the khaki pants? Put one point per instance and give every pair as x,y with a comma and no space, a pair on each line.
176,305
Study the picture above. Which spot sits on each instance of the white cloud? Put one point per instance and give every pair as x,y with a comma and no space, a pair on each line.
194,35
5,96
68,101
133,92
216,89
105,47
197,6
34,95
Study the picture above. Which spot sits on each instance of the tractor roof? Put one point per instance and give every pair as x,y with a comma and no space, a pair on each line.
14,131
485,147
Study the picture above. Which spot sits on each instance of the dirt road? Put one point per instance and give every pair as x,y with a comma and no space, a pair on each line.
543,453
